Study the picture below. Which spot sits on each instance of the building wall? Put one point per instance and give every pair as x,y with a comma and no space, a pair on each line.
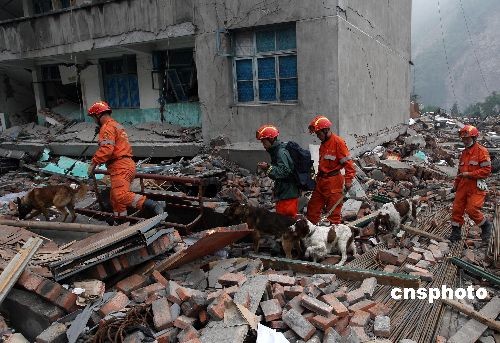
316,32
17,101
374,86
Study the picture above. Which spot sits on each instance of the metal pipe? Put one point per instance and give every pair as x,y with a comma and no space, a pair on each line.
56,226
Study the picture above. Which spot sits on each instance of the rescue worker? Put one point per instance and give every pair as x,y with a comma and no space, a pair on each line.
115,150
281,170
330,183
470,186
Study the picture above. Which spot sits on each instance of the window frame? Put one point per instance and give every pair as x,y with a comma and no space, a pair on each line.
126,70
276,54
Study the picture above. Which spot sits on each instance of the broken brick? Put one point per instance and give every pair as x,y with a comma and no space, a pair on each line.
295,303
363,305
338,308
67,301
230,279
184,322
188,334
172,295
341,294
278,293
316,305
389,257
53,334
284,280
299,324
360,333
360,318
322,322
30,281
378,310
162,318
160,278
390,268
293,291
428,256
140,295
167,336
131,283
424,276
355,296
278,325
116,303
414,257
271,309
49,290
217,308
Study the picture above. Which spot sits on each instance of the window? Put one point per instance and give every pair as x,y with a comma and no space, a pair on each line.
265,65
121,89
42,6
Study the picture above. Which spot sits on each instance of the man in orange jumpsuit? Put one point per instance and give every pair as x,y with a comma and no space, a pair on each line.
330,183
115,150
470,186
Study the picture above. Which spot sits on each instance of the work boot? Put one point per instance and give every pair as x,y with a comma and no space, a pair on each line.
456,233
486,231
152,207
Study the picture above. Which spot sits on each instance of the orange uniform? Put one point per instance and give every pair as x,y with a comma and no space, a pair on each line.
333,156
116,152
469,198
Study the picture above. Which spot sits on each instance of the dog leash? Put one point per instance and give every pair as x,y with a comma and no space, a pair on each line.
81,155
334,206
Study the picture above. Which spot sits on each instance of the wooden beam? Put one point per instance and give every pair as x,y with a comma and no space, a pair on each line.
423,233
55,226
343,272
491,323
472,330
17,265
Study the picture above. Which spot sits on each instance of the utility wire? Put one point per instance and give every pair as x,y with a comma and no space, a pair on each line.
446,54
473,48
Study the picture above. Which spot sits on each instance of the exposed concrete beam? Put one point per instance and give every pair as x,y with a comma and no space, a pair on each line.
346,273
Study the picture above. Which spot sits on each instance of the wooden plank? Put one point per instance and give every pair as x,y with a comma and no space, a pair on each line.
17,265
472,330
423,233
346,273
491,323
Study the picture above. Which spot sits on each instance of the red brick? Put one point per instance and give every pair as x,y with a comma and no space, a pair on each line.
124,261
271,309
141,294
284,280
194,340
3,325
341,294
162,318
131,283
184,293
316,305
49,290
203,317
172,295
278,325
100,272
378,310
279,294
184,322
67,301
295,303
362,305
116,303
230,279
30,281
414,257
293,291
188,334
341,324
160,278
217,308
410,268
428,256
390,268
355,296
299,324
167,336
323,323
360,318
117,267
382,326
389,257
338,308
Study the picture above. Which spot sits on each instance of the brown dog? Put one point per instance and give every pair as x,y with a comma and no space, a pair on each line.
40,199
262,221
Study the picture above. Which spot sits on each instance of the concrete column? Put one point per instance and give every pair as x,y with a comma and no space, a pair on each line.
91,82
28,8
147,95
36,75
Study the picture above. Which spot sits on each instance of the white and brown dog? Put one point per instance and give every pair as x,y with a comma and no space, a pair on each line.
392,216
321,240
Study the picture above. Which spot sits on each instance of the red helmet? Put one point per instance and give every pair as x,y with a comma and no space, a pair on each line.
468,131
267,131
319,123
98,107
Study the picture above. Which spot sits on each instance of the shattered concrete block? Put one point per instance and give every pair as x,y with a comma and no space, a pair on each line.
341,294
316,305
338,308
397,170
167,336
284,280
382,326
116,303
423,264
184,322
429,257
188,334
56,333
293,291
162,317
131,283
230,279
360,318
368,286
322,322
299,324
359,333
331,336
172,295
217,308
271,309
175,311
135,337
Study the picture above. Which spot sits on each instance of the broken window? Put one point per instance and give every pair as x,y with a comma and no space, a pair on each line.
121,89
42,6
174,75
57,93
265,65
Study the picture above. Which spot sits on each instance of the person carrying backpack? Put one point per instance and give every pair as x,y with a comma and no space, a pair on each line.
286,190
330,183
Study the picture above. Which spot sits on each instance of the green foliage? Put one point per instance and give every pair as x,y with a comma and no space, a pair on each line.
490,106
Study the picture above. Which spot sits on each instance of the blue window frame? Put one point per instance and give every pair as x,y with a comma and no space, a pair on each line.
121,89
265,65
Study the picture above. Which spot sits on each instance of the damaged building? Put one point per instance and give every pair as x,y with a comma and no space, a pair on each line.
224,66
